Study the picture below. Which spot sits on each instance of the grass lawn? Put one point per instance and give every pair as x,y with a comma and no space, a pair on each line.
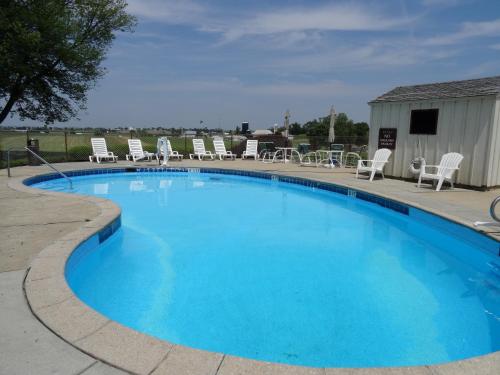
53,147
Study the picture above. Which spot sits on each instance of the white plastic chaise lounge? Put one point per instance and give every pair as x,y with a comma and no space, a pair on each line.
444,171
251,150
136,152
171,153
376,165
100,151
199,150
221,152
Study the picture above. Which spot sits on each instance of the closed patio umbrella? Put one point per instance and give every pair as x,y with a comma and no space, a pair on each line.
331,132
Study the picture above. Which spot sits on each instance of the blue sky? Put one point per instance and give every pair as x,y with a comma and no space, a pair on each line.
225,61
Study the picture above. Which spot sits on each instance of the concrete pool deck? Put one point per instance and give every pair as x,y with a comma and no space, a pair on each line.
33,221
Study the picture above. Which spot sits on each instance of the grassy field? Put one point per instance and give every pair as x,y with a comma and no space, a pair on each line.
54,141
55,147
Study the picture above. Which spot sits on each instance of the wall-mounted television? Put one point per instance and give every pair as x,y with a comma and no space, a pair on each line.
424,121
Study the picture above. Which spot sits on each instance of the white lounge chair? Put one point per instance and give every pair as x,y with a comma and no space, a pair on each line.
100,151
199,150
449,164
380,158
220,150
251,151
137,153
171,153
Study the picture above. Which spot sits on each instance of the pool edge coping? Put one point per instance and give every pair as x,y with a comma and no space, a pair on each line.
54,304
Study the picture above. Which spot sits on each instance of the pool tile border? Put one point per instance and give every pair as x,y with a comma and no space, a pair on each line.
54,304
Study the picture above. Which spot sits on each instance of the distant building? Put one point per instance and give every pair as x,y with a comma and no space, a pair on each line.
262,132
190,133
433,119
244,128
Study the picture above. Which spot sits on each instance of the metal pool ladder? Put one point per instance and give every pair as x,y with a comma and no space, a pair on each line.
493,215
43,161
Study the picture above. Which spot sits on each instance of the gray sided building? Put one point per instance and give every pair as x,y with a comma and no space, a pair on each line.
433,119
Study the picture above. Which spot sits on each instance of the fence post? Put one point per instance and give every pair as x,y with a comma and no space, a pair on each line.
231,143
66,144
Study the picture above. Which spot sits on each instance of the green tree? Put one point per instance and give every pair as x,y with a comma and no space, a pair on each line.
51,53
317,127
343,129
361,131
295,128
346,131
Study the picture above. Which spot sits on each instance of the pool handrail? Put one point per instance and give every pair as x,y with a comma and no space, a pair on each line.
492,214
42,160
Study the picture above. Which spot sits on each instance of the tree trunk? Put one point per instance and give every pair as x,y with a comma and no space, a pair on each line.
8,106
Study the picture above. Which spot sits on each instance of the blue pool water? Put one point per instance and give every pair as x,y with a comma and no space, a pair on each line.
286,273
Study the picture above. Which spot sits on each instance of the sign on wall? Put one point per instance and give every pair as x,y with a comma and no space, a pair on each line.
387,138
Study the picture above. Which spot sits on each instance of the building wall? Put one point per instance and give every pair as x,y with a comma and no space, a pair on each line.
465,125
494,149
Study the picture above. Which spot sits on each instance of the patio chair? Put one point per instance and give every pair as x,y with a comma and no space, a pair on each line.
351,160
100,151
199,150
251,150
136,152
309,158
449,164
327,158
171,153
376,165
221,152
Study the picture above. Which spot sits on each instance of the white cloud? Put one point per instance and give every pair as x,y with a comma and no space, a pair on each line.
171,11
371,56
467,31
333,88
297,22
333,17
432,3
484,69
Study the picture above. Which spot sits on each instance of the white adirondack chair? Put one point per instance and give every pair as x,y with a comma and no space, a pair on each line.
221,152
380,158
137,153
251,150
444,171
199,150
100,151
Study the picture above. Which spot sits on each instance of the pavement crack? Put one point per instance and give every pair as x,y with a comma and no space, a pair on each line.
86,368
220,364
162,360
55,303
48,223
92,332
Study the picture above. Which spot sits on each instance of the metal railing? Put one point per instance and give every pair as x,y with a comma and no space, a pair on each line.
493,215
57,146
42,160
492,209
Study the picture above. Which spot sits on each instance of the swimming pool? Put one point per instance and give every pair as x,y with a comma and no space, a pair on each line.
288,273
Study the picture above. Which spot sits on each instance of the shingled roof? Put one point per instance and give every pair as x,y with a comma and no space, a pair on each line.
443,90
